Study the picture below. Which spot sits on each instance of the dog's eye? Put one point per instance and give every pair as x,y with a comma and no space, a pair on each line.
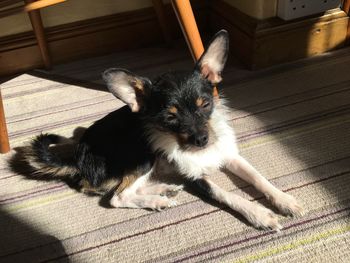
170,118
206,104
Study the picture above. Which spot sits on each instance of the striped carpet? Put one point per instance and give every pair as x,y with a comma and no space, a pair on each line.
292,123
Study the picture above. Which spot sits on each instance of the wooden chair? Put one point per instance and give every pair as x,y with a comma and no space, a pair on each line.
32,7
182,9
184,14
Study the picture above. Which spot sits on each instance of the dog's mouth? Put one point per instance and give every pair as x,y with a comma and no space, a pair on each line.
194,148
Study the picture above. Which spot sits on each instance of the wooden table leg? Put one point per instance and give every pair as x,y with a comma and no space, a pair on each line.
189,27
4,139
38,28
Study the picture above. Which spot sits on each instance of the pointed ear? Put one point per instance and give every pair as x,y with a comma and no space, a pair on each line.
213,60
127,86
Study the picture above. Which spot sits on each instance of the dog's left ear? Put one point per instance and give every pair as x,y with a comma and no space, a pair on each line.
213,60
127,86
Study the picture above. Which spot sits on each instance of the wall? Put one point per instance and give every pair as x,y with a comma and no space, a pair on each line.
70,11
259,9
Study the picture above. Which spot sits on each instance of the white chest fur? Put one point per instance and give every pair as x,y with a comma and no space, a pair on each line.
194,164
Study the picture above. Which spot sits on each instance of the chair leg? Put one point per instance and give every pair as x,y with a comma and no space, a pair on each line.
4,139
189,27
38,28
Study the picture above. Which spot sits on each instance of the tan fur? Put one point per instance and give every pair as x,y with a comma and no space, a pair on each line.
127,181
210,74
106,186
173,110
56,171
199,102
138,84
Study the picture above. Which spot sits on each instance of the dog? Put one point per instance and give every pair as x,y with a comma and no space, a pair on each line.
176,121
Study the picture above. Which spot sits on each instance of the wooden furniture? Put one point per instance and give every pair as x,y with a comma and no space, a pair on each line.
184,14
4,140
32,7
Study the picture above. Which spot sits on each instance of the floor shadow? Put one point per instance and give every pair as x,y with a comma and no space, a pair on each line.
21,242
68,80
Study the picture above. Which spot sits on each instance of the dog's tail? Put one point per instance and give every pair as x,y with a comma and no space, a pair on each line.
46,162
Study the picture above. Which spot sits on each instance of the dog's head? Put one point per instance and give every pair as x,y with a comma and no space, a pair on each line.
180,103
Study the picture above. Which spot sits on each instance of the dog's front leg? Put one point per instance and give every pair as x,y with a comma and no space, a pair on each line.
256,214
286,203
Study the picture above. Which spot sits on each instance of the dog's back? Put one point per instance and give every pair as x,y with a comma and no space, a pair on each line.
114,146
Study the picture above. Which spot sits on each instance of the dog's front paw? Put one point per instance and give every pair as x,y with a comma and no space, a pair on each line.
264,218
162,202
173,190
287,204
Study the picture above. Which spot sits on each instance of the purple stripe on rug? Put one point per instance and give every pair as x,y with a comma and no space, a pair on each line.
294,123
9,176
90,117
28,92
289,104
32,194
61,108
231,244
20,83
302,93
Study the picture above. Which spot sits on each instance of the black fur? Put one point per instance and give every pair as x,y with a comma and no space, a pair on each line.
180,90
112,146
40,153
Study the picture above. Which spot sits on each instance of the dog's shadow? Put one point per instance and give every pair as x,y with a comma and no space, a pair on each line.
194,190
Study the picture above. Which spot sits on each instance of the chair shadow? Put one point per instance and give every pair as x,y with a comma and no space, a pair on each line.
69,81
21,242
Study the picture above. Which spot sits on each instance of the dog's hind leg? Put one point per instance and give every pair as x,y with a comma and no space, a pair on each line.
132,200
105,187
136,196
169,190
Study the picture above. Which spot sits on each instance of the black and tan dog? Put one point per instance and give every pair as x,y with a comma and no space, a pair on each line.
177,120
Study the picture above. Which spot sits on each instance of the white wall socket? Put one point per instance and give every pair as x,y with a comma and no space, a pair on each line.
291,9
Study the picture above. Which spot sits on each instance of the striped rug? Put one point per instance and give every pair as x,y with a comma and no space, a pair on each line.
292,124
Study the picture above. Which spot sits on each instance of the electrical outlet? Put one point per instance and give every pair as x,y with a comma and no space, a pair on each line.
291,9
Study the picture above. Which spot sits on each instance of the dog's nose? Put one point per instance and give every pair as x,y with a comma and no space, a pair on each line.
201,140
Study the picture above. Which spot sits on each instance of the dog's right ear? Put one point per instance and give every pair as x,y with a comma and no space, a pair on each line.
213,60
127,86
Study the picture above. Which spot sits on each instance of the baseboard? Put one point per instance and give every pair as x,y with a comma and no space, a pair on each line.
263,43
97,36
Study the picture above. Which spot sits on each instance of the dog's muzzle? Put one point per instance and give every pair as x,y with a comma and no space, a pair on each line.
199,139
